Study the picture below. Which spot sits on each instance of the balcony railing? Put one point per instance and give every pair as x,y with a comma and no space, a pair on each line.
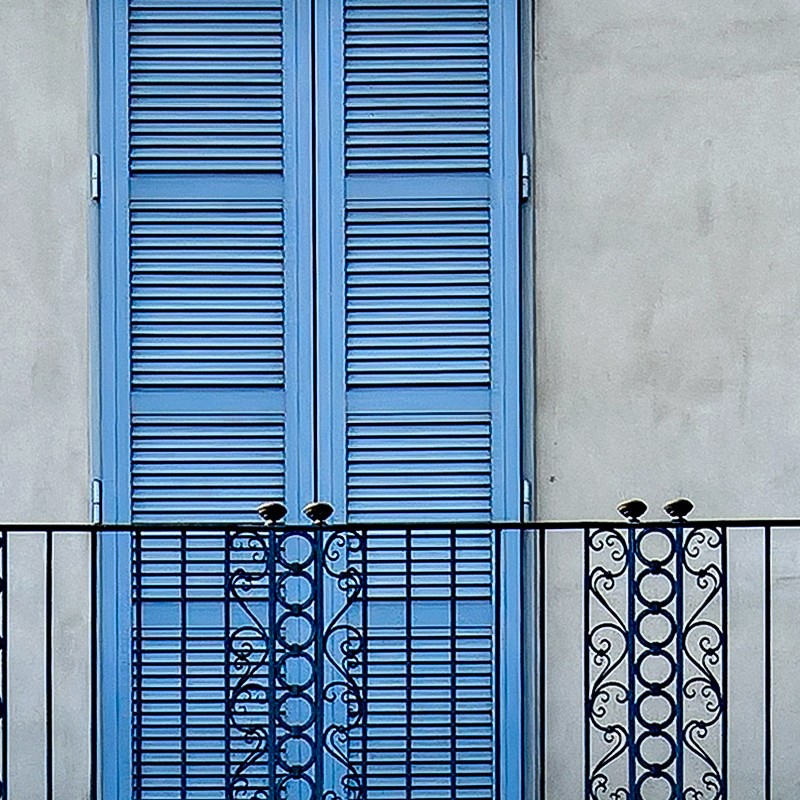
661,660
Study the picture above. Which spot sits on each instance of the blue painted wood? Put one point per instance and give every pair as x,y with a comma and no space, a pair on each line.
418,254
114,575
206,284
419,352
211,272
206,304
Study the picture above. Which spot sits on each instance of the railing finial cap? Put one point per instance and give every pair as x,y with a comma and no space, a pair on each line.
318,511
272,511
679,508
633,509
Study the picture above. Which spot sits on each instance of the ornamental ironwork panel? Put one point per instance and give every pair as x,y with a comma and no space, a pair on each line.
655,669
314,663
246,663
294,693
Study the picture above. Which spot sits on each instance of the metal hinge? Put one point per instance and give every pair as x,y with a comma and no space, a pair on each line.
97,501
94,181
527,501
524,178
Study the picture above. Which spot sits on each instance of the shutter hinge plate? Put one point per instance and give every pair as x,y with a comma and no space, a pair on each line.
97,501
527,500
524,178
94,181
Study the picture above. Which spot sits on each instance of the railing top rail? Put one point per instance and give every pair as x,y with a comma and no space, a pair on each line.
216,527
466,525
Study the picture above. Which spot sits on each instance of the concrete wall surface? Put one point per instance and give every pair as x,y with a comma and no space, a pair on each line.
667,334
44,302
667,325
668,338
45,219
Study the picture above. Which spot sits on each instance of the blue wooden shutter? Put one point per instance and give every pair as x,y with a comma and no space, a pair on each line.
419,259
205,295
419,386
205,276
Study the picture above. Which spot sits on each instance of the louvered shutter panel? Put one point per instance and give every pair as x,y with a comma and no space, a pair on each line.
206,232
419,260
214,234
419,386
211,153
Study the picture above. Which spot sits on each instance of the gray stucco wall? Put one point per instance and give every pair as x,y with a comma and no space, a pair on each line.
667,238
45,223
667,336
44,302
667,325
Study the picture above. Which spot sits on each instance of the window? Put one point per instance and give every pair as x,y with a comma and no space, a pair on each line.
309,267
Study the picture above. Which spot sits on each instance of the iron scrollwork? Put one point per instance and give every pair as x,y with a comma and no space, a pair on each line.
655,643
343,645
295,648
704,661
607,734
250,650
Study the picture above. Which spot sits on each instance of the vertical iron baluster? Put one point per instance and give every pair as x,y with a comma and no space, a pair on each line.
183,622
679,659
542,619
633,541
136,670
454,663
768,662
318,612
409,656
495,548
4,654
272,680
48,656
94,534
226,671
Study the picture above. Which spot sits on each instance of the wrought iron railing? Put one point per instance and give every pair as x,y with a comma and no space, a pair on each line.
367,661
285,661
687,653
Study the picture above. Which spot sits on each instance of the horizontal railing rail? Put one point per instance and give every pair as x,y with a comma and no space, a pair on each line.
308,660
662,657
686,650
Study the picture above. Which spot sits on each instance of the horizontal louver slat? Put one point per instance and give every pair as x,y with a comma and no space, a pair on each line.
206,294
416,86
205,86
418,466
418,293
215,467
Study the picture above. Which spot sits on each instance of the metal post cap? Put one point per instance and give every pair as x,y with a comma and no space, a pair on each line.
679,508
633,509
318,511
272,511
